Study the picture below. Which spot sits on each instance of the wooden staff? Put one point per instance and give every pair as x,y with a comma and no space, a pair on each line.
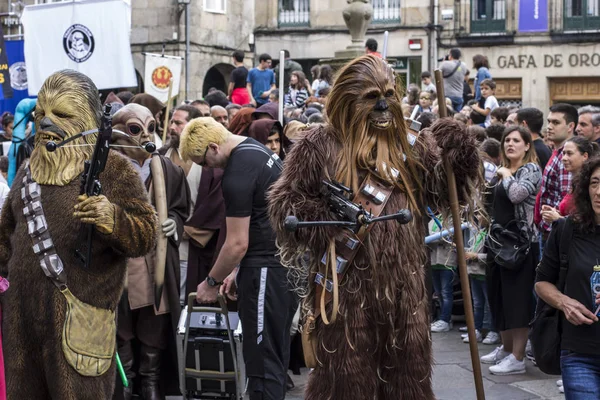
169,100
460,248
160,202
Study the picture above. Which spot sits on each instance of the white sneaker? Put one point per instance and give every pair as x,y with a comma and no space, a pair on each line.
559,382
561,389
509,366
478,335
495,356
462,329
440,326
492,338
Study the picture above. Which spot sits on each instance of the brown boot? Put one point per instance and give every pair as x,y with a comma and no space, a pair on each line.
150,358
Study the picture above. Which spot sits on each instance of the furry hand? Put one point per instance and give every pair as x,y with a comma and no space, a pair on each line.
169,228
96,210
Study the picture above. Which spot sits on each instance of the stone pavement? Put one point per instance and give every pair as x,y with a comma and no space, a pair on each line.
453,378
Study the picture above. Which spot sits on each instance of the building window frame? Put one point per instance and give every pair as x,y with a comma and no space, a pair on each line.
386,11
483,21
587,15
293,13
208,6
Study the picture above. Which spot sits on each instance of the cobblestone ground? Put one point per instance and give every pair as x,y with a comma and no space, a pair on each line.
453,379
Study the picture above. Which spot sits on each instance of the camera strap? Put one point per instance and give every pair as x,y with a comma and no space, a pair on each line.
373,195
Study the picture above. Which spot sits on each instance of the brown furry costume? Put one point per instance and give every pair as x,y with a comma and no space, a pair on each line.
379,347
33,308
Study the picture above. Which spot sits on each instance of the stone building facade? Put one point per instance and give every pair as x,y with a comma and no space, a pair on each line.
541,52
538,55
314,29
217,28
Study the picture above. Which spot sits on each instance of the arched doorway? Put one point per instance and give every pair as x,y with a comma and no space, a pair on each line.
218,77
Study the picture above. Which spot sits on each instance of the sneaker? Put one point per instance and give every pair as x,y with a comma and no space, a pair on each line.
561,389
559,382
440,326
528,347
509,366
495,356
464,335
492,338
462,329
478,335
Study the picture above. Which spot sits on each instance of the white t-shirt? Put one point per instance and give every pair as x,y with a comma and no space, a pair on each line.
490,103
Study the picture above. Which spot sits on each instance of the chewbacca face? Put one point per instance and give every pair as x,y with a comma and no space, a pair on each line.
68,104
136,121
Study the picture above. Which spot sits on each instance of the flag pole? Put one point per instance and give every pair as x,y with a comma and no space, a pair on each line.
166,125
460,248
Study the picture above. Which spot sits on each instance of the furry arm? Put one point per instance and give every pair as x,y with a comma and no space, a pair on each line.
297,192
449,139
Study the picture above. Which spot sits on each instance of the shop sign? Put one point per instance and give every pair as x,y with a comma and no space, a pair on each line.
549,61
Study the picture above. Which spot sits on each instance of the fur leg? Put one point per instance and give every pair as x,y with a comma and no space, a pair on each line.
405,362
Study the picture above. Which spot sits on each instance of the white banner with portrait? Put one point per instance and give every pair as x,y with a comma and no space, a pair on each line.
90,36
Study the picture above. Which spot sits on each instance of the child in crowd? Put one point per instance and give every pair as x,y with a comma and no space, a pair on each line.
476,258
443,264
426,81
488,91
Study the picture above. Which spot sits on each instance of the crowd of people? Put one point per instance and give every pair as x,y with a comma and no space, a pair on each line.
534,178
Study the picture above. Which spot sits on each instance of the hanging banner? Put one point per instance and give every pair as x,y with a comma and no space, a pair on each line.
6,92
159,70
18,75
91,37
533,15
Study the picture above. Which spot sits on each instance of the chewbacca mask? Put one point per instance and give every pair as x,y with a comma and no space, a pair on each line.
68,103
364,110
136,121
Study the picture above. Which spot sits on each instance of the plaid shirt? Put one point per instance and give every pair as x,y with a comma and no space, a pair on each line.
556,183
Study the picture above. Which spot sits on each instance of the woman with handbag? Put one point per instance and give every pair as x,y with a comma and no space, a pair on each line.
513,250
578,305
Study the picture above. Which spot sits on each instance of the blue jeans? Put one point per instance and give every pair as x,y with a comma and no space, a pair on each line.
581,375
457,103
481,308
442,285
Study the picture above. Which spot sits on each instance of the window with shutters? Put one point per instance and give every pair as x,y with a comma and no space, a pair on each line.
488,15
294,13
581,14
215,6
386,11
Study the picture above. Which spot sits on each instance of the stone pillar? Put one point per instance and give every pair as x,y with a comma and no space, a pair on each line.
357,15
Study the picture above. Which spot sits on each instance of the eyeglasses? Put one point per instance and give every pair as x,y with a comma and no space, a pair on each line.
203,163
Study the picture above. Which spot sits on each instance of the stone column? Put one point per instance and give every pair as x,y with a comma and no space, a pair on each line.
357,15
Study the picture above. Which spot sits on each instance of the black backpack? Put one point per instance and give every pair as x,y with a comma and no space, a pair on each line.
546,329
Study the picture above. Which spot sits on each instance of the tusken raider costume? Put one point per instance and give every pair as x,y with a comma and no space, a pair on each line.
149,309
59,314
372,339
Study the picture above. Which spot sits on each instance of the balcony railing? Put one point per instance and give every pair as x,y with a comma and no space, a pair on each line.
582,14
488,15
386,11
294,12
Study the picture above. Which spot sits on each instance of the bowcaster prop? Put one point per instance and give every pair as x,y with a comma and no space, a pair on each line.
90,179
352,216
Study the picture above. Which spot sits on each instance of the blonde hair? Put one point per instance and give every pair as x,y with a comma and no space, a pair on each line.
198,134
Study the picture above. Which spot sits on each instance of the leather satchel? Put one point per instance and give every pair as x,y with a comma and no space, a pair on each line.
509,245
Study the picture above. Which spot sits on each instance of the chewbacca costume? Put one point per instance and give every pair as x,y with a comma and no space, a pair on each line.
34,309
379,347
